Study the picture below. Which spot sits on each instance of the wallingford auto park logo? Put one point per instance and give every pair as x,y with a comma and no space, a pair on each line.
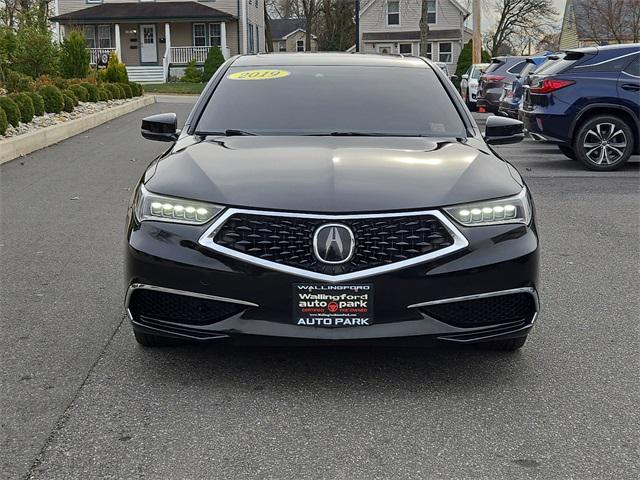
333,243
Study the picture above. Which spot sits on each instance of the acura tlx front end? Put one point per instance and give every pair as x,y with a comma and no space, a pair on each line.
329,237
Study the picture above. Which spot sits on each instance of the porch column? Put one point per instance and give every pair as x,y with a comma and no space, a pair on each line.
118,46
167,39
223,39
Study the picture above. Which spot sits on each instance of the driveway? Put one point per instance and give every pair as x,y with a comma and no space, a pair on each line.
81,400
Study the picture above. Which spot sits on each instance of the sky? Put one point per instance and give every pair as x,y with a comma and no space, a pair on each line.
488,20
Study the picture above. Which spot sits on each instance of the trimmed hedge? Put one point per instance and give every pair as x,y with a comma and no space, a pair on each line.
18,82
11,109
128,93
72,95
81,93
25,104
114,90
104,95
136,88
92,89
4,123
68,102
53,99
38,103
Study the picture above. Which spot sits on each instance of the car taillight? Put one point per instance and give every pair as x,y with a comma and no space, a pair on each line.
550,85
494,78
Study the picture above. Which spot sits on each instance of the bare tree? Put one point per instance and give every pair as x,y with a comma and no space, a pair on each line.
605,21
310,9
424,28
516,17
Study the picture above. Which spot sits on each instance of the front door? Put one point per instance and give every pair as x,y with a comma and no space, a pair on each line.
148,50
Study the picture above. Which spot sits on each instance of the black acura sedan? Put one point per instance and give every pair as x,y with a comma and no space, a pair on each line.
331,198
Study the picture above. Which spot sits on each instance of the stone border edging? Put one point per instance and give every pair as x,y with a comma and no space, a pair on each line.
14,147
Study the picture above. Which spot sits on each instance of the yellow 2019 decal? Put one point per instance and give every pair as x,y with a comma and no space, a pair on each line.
263,74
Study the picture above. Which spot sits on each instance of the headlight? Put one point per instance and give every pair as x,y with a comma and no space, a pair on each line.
150,206
514,209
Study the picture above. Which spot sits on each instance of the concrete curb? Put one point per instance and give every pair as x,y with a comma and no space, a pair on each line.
14,147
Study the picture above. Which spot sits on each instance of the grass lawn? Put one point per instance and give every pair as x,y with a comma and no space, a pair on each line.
177,87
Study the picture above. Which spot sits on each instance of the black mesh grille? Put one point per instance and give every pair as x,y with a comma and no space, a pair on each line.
288,241
170,307
484,311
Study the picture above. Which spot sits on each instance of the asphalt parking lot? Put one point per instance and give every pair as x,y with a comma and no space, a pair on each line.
81,400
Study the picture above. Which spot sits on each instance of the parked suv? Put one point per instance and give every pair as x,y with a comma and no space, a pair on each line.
589,104
512,93
501,70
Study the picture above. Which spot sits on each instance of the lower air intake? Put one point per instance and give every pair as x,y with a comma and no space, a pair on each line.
147,305
484,311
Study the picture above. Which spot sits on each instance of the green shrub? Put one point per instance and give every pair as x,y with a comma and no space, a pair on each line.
103,95
36,53
92,89
81,93
61,83
127,90
18,82
11,109
212,63
74,56
70,93
38,103
116,71
192,74
68,102
53,99
4,123
113,89
136,88
25,104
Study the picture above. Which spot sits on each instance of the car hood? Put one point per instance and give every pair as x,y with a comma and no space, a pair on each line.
331,174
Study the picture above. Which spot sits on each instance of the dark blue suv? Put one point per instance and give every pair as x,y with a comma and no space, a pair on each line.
588,102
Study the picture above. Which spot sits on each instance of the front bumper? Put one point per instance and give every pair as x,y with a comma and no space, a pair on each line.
499,261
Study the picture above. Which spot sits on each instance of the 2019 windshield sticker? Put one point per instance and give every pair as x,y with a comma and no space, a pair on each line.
263,74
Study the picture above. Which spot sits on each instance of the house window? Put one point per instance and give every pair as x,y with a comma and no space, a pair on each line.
393,12
104,36
214,34
405,48
250,39
429,53
199,35
431,11
444,52
90,35
300,46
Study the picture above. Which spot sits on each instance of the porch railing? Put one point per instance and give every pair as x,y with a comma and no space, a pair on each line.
97,52
181,55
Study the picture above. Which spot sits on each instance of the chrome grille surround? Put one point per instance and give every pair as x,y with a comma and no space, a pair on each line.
208,240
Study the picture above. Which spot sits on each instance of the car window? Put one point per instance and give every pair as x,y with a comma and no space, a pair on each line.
634,67
495,64
559,64
517,68
476,73
307,100
613,65
528,68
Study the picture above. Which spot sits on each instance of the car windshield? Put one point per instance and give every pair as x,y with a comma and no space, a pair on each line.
476,73
331,100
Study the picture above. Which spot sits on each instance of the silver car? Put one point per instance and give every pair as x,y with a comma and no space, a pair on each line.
469,84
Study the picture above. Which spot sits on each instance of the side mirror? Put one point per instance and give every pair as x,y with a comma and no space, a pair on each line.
453,78
465,77
161,127
503,130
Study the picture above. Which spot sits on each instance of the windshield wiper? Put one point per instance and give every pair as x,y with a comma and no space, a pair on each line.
362,134
229,132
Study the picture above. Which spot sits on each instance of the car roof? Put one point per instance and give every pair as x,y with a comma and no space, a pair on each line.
606,48
333,59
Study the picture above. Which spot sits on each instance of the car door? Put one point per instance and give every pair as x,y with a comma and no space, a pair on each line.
629,85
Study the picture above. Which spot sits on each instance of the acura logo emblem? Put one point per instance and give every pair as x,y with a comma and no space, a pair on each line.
333,243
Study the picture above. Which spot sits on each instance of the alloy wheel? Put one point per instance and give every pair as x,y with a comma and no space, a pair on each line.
604,144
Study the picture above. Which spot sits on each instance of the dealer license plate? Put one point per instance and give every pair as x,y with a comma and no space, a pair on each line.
318,305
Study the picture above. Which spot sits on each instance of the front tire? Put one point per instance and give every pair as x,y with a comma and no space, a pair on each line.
604,143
